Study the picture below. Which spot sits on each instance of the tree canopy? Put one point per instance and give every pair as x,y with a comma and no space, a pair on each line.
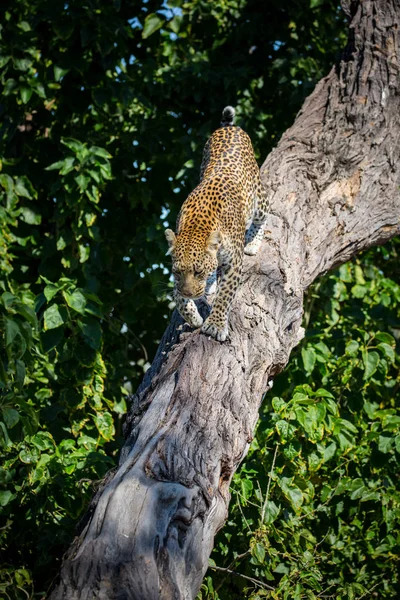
105,109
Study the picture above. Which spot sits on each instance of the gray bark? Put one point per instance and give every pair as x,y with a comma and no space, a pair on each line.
333,182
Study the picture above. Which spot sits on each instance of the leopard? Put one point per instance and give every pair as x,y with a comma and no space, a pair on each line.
222,219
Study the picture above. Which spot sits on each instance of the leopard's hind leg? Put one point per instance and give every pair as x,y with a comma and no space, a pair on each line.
255,233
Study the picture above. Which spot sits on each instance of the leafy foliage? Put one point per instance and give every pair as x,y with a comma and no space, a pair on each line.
316,510
105,108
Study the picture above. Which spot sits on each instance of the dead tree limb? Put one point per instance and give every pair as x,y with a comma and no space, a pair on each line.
334,183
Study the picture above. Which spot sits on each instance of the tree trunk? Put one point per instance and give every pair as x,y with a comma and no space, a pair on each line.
333,183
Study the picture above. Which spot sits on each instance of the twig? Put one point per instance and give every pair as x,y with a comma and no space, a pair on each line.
264,508
235,560
322,594
244,518
255,581
369,591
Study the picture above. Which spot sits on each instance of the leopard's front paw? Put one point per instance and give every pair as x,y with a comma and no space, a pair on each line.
252,248
188,310
195,320
218,333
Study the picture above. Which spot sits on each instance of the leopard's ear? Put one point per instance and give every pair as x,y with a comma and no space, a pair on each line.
214,242
171,238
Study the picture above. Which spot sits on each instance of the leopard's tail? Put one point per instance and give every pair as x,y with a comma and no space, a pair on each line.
228,114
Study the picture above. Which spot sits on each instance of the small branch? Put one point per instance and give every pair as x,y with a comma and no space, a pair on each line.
238,558
255,581
369,591
264,508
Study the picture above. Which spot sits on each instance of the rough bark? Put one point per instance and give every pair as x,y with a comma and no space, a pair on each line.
333,183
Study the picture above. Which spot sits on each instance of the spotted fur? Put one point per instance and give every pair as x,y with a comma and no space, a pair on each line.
220,220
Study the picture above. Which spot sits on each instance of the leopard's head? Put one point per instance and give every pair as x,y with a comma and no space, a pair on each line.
194,259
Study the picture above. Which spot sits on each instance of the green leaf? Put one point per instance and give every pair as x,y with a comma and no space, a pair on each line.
39,89
345,440
344,424
4,60
7,442
84,252
387,351
8,299
55,166
9,87
371,408
88,442
151,24
52,318
322,349
278,404
286,430
61,243
7,183
391,422
22,64
28,215
11,329
385,443
24,188
5,497
246,488
10,417
292,492
43,440
258,551
76,301
359,275
271,512
329,452
314,462
26,93
74,145
29,455
82,181
371,362
175,23
20,372
321,393
352,348
100,152
24,25
357,489
68,165
382,336
59,72
120,407
91,332
309,357
105,425
105,170
359,291
50,291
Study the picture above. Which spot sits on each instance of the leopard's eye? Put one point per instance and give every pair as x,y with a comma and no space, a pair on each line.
197,271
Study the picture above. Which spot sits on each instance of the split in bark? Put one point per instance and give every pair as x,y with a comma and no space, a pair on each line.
334,184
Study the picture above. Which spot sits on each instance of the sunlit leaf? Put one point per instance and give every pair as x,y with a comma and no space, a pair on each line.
52,317
371,361
151,24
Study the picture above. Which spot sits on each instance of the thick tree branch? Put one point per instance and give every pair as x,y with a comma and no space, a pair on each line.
334,190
